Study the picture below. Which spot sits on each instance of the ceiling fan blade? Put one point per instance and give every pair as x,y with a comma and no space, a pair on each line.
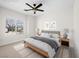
40,10
27,10
29,5
38,6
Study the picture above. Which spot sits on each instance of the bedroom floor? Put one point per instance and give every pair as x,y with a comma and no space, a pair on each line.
17,50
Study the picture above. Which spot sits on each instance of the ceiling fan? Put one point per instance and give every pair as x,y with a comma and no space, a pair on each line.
34,7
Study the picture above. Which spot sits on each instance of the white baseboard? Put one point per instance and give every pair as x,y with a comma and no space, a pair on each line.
6,43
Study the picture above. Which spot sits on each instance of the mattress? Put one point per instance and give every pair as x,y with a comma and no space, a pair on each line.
41,45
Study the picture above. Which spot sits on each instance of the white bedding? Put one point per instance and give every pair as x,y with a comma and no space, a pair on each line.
41,45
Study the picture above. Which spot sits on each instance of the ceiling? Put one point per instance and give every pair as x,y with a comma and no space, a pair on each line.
19,5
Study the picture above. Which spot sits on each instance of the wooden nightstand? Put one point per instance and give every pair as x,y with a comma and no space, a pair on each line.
64,42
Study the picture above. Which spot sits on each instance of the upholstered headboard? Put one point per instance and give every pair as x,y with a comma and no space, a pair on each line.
53,32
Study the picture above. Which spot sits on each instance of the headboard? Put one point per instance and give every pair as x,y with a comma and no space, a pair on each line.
53,32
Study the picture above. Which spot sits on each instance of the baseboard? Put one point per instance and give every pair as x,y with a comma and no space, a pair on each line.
4,44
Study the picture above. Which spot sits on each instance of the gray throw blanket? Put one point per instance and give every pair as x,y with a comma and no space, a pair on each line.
52,43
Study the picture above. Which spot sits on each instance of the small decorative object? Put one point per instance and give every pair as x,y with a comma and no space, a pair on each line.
38,32
65,35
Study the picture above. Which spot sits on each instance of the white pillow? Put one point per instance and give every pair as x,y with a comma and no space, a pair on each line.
45,35
54,36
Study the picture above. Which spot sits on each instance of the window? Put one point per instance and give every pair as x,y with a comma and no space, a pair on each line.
19,26
14,25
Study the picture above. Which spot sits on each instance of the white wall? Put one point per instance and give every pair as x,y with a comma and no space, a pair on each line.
62,12
76,28
31,25
14,37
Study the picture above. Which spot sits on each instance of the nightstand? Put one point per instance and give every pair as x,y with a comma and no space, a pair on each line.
64,42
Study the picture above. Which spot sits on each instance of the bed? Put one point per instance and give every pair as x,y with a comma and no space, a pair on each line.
44,48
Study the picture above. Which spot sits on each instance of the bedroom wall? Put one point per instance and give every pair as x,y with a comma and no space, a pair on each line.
76,28
29,26
61,11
